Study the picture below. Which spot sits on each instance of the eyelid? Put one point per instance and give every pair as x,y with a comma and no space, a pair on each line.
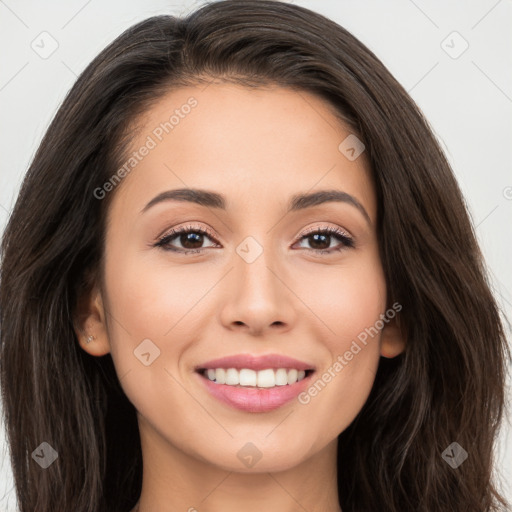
347,240
315,229
179,229
210,233
337,231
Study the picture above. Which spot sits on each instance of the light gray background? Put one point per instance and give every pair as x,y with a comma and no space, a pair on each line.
467,100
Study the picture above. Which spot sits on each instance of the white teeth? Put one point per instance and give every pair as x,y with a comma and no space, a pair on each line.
281,377
292,376
232,377
268,378
220,376
248,377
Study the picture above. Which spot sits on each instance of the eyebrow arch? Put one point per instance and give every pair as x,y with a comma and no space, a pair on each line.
218,201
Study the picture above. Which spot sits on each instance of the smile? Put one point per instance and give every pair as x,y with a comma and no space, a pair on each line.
255,384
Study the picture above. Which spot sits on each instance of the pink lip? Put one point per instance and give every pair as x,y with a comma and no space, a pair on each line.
240,361
255,399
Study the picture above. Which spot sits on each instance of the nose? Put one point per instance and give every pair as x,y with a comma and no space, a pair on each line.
259,300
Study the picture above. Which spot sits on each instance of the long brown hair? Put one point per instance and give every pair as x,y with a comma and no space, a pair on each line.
448,385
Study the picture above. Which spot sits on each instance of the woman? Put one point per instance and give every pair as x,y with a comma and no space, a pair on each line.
240,273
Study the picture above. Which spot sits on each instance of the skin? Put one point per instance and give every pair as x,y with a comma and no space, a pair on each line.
257,147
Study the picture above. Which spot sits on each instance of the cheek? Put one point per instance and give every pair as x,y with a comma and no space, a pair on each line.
350,310
346,300
152,322
154,300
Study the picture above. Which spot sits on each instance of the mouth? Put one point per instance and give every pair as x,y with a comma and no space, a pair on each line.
255,384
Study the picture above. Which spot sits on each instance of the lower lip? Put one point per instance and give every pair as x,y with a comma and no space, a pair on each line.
256,399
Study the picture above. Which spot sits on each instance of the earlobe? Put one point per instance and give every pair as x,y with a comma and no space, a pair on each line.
90,325
392,341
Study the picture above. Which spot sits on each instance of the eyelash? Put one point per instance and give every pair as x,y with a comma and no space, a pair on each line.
347,241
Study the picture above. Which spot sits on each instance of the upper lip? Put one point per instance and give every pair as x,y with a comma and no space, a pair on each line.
256,362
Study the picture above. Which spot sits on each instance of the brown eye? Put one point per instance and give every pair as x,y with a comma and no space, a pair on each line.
190,238
320,240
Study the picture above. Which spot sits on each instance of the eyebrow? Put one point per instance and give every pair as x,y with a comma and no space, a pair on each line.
297,202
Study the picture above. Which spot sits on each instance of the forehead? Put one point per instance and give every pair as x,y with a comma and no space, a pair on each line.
254,145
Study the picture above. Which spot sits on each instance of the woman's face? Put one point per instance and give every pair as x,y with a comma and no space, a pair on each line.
259,283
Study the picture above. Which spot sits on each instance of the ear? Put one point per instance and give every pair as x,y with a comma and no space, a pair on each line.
393,339
90,323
